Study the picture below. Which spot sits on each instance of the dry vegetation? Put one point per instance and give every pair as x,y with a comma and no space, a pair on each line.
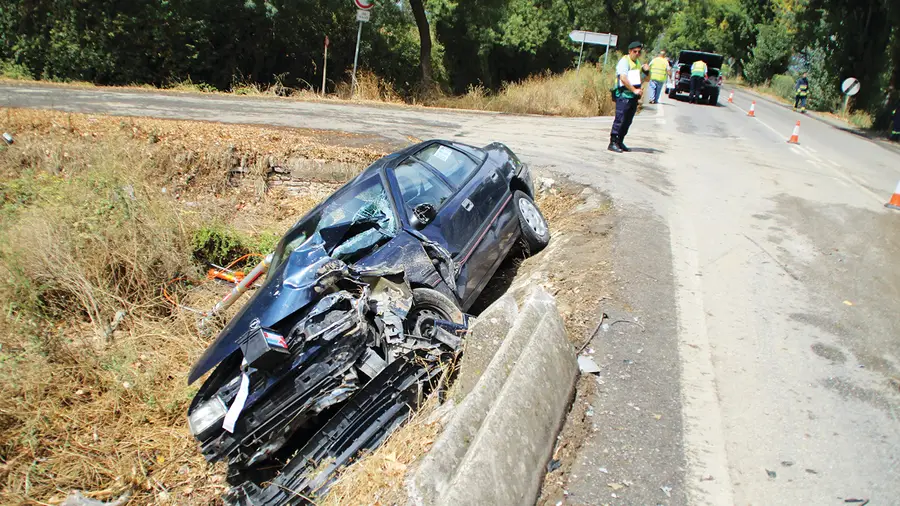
584,92
96,215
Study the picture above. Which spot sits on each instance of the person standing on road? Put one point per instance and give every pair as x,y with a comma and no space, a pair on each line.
659,73
895,125
698,79
802,91
627,93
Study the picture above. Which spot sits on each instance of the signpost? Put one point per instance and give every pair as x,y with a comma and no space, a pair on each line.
324,65
849,87
602,39
363,15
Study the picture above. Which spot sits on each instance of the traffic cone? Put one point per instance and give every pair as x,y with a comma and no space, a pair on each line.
894,203
795,137
752,111
731,98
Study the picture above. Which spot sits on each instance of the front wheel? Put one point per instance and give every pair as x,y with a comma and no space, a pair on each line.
429,305
535,231
673,94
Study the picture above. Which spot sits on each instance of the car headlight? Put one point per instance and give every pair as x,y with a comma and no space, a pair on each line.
207,417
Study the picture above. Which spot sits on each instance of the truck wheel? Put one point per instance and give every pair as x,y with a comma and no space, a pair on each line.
535,232
714,99
673,94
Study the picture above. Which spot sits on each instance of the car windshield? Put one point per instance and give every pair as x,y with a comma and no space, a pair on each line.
352,223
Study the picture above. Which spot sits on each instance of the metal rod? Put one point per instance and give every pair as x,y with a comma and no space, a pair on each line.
324,68
583,35
238,290
606,54
355,58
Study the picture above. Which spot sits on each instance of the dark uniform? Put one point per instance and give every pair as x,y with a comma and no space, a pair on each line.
802,91
626,103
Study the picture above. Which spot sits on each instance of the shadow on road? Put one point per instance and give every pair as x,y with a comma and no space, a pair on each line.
646,150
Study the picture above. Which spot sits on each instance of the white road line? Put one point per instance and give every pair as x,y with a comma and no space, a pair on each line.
763,123
704,439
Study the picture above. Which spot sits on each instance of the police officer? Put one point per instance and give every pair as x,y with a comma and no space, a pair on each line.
627,93
802,91
698,79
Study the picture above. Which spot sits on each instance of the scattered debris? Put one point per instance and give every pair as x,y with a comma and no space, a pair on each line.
587,365
615,486
848,303
76,498
708,477
553,465
603,470
862,502
771,474
8,138
812,471
666,490
787,463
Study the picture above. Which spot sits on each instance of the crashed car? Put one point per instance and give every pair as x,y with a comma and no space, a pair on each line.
362,308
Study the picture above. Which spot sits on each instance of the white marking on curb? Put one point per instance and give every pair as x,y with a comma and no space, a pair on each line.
704,439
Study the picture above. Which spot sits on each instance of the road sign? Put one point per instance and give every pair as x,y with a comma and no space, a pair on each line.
363,16
364,4
584,37
850,86
602,39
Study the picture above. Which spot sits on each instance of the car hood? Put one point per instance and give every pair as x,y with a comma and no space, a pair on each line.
713,60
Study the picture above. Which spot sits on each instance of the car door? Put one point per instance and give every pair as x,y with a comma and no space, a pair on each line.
466,225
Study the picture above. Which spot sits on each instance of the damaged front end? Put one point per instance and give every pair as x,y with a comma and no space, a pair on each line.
327,358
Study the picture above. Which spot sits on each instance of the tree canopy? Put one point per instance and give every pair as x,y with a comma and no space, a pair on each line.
452,44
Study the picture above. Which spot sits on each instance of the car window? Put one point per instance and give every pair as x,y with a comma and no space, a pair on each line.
454,165
419,185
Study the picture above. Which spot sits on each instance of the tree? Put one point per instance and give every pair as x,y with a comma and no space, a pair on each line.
418,10
770,54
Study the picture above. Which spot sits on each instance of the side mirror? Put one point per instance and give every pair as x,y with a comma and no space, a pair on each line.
422,215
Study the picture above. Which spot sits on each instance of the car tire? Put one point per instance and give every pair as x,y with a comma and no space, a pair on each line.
428,303
673,94
535,231
714,99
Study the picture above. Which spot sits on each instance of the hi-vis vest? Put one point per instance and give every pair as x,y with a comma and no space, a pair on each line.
631,66
802,90
698,68
658,68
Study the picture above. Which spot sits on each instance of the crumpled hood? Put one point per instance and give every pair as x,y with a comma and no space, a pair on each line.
289,288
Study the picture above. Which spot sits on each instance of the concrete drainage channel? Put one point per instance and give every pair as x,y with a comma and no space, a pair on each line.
495,448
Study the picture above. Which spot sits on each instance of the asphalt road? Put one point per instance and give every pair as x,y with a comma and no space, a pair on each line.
763,276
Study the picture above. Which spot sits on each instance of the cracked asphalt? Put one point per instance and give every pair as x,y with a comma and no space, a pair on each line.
763,278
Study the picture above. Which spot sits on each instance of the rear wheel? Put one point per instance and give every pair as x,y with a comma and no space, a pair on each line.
673,94
714,99
535,231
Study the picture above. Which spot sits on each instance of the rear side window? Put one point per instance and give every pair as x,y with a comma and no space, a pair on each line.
452,164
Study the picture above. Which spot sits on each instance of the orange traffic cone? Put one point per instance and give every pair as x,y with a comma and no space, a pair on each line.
795,137
752,111
731,98
894,203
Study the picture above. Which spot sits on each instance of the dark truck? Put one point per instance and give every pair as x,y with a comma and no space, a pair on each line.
682,75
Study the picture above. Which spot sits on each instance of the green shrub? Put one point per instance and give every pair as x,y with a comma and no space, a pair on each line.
220,244
770,54
783,86
13,70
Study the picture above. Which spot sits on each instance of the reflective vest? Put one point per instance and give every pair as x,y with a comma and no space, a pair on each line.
621,90
802,90
698,68
658,69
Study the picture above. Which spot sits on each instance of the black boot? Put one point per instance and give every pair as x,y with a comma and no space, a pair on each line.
621,145
614,145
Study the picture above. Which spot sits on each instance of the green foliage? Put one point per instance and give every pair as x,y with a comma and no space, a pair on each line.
221,244
824,82
783,86
770,55
13,70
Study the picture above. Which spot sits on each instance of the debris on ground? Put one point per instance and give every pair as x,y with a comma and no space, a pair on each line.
587,365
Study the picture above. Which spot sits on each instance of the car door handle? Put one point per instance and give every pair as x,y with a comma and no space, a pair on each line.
495,176
467,204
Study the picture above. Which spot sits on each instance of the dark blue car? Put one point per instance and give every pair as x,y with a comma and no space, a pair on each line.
363,301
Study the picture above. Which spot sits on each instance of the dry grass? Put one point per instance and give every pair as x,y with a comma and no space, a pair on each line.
370,88
572,93
86,230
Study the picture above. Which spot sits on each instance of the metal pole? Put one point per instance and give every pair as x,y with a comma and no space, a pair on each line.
324,69
583,35
355,58
606,54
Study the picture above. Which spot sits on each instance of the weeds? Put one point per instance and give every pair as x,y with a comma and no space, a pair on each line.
13,70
